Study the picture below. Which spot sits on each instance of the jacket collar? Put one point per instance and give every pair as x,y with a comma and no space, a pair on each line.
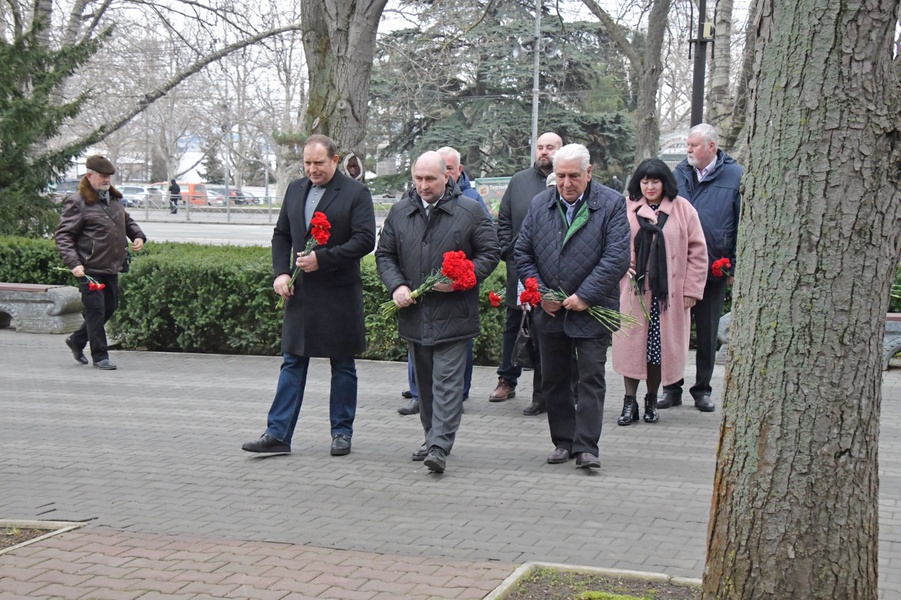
591,196
91,196
447,203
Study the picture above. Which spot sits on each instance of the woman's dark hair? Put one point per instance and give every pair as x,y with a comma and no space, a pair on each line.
653,168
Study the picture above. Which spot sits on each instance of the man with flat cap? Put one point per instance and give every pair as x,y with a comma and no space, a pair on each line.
92,239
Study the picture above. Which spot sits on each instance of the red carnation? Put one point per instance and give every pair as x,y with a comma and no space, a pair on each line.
530,295
495,299
456,270
319,228
719,267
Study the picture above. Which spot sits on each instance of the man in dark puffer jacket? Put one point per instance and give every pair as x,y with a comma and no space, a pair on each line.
428,221
575,238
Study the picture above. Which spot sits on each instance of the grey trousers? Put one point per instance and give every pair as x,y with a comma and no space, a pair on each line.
439,376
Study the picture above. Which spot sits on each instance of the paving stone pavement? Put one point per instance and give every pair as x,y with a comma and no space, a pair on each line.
149,456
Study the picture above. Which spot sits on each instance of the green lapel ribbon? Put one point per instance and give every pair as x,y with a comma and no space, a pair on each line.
578,221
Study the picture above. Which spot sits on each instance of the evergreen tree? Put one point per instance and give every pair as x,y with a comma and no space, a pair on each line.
30,114
215,170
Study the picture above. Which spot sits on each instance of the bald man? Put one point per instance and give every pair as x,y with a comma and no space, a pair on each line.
524,186
431,219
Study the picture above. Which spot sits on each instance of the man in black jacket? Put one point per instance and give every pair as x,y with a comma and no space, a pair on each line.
575,239
324,306
92,238
428,221
523,186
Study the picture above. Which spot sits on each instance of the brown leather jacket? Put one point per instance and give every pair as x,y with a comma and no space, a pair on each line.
94,234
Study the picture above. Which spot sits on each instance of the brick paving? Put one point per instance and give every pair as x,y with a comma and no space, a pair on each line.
149,456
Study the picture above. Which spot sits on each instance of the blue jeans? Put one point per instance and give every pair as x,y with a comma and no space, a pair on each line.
289,396
467,373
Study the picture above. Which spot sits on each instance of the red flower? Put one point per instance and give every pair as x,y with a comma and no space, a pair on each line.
93,285
319,230
319,227
719,267
456,270
495,299
530,295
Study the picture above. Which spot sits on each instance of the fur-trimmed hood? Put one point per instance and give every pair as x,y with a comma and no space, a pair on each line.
91,196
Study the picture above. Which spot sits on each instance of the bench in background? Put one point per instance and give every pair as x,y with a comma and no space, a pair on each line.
39,308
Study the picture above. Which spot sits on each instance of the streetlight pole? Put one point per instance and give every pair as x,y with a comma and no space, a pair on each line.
536,61
705,37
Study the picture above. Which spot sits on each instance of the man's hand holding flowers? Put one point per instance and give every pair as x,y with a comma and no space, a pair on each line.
306,261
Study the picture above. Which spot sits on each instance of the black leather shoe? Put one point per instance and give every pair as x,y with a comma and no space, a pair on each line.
560,455
407,394
420,454
411,409
704,404
340,445
586,460
77,352
535,408
669,399
267,444
105,364
436,460
630,411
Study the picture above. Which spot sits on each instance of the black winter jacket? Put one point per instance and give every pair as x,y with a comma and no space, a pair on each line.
590,264
408,251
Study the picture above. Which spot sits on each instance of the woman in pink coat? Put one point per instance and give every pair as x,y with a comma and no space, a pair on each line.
669,269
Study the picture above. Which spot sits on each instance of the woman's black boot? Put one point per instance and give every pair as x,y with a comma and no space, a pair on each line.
630,411
651,415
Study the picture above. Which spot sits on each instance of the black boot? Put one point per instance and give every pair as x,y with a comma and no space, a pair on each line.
630,411
651,414
411,409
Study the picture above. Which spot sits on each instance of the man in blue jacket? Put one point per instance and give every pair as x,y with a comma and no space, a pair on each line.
575,238
711,180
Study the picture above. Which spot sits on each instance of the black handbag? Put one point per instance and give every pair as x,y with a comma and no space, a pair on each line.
524,347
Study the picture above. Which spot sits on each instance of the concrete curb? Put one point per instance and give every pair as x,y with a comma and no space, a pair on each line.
53,528
507,586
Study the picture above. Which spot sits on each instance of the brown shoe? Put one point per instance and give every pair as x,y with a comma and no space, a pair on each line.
503,391
559,455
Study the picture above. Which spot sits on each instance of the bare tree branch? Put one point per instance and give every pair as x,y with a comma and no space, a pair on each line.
615,33
154,95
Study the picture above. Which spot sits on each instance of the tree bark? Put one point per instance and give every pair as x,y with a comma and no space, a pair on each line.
646,68
719,98
795,502
339,44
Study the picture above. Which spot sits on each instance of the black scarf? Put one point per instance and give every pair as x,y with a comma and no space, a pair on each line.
650,258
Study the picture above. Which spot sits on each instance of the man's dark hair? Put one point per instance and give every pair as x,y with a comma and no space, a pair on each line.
328,143
653,168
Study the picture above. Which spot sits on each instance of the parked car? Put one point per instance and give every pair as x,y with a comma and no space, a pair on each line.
63,190
250,198
237,196
195,193
139,194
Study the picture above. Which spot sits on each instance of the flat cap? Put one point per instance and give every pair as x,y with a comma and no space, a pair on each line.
99,164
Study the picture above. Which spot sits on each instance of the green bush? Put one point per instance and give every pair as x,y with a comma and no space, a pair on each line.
219,299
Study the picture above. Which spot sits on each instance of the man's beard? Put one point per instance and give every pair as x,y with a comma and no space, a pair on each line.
693,161
544,163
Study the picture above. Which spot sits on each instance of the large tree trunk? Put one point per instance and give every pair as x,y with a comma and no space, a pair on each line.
719,98
795,505
646,68
339,43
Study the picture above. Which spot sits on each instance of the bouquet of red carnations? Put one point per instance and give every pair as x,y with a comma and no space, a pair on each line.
456,270
612,320
319,229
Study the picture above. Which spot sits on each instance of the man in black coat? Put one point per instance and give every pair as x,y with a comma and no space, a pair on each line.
428,221
523,186
324,307
575,239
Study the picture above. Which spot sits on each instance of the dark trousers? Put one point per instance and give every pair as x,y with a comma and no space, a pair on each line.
706,315
467,374
507,370
173,205
574,427
439,376
99,306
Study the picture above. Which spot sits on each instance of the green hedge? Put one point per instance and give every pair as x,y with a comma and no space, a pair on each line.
219,299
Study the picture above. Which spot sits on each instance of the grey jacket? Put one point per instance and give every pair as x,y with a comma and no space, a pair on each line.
409,250
524,185
590,264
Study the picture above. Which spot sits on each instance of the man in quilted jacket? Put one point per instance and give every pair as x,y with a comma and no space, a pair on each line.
575,239
431,219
